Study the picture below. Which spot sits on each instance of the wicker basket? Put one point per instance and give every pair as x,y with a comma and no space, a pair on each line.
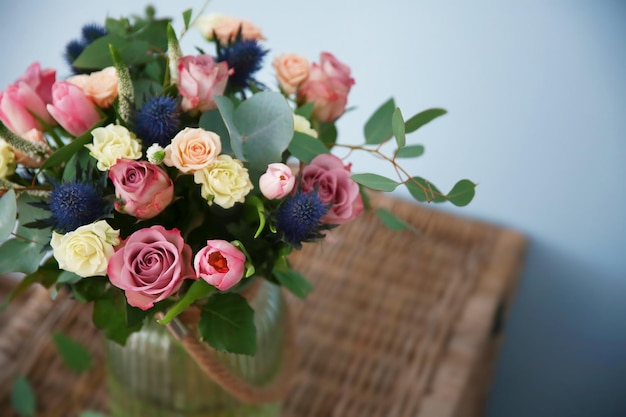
399,324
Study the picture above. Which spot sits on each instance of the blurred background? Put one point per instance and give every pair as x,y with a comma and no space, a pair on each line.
536,94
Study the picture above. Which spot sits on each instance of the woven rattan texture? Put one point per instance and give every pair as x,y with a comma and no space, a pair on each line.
399,323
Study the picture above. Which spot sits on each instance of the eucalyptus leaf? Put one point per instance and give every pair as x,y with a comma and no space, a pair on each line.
422,118
293,281
74,355
19,255
422,190
227,324
411,151
378,127
305,147
8,214
390,220
462,193
397,124
23,399
187,17
227,111
213,122
376,182
305,110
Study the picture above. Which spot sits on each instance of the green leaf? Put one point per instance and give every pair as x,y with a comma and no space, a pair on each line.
327,133
260,129
154,34
227,324
109,315
293,281
412,151
213,122
117,27
8,214
97,55
91,414
226,110
23,399
390,220
422,118
187,18
397,124
199,289
422,190
376,182
75,355
378,128
66,152
305,110
305,147
90,289
18,255
462,193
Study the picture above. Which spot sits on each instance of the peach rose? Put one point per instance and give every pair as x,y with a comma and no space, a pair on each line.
101,86
192,149
226,28
291,71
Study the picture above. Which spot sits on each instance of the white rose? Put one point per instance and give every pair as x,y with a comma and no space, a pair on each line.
301,124
86,251
111,143
225,182
7,159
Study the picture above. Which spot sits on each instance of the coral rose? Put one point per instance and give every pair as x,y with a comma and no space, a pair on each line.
226,28
192,149
291,71
100,86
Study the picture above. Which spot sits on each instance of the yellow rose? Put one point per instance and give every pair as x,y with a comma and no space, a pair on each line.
111,143
86,251
192,149
225,182
100,86
301,124
7,159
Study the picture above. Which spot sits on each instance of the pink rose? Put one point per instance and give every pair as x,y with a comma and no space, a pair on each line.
220,264
332,179
291,71
150,265
327,86
72,108
19,104
143,189
200,78
40,80
277,182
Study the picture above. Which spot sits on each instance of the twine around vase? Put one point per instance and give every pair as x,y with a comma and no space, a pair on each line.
239,388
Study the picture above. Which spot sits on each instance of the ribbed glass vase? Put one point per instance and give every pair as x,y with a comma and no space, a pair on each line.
153,375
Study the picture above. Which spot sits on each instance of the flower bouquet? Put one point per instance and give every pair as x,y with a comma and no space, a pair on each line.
153,180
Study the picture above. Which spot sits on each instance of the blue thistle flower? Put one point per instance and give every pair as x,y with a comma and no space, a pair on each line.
72,50
73,204
93,31
245,58
299,218
157,121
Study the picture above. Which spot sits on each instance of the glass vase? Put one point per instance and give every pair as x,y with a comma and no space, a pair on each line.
153,375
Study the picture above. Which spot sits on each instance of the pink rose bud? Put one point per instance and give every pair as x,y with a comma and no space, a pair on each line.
143,189
220,264
72,109
277,182
150,265
200,78
327,86
19,104
331,177
41,80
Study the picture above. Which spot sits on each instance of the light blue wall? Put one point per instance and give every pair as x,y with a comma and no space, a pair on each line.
537,100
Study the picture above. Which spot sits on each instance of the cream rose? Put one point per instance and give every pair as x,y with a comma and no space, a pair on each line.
100,86
86,251
225,182
301,124
192,149
7,159
291,71
111,143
